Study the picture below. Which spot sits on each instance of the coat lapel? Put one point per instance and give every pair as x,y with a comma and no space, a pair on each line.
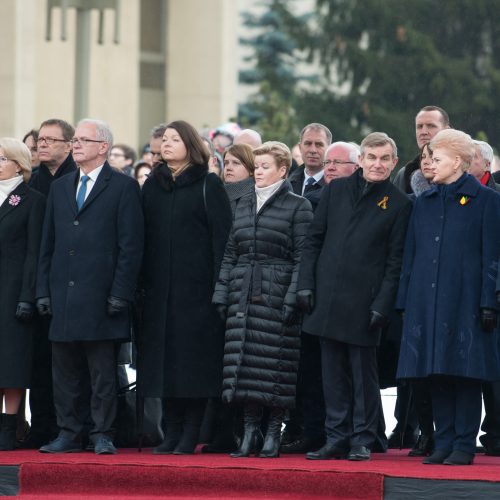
100,185
7,206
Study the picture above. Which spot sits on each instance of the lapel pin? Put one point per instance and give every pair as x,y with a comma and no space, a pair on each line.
464,200
383,203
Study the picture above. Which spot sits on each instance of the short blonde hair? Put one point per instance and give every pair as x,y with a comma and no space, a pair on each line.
17,151
278,150
456,141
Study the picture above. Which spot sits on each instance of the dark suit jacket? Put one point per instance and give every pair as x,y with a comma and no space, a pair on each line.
89,255
352,258
296,179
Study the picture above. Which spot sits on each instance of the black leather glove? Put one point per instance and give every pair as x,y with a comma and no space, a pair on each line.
305,301
377,321
44,306
289,315
489,320
25,311
221,311
115,306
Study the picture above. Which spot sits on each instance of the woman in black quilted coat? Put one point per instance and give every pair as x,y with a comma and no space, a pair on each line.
256,291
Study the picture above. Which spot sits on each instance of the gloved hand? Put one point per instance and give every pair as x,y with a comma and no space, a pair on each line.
25,311
44,306
377,321
305,301
289,315
222,312
115,305
489,320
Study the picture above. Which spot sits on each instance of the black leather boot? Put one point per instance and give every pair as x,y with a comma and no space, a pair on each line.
423,447
193,416
8,432
252,436
173,415
271,448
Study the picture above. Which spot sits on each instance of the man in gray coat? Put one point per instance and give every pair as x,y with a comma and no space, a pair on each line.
89,261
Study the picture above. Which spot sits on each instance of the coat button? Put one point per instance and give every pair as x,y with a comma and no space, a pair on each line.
72,252
75,223
434,261
433,285
71,283
437,238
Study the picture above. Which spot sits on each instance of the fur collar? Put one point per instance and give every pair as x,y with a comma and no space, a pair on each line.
192,174
419,183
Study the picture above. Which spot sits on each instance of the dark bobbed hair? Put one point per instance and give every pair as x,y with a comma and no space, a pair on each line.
196,149
244,153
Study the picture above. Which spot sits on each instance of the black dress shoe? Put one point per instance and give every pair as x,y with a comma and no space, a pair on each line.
394,441
61,445
423,447
104,446
458,457
359,453
302,445
437,458
327,452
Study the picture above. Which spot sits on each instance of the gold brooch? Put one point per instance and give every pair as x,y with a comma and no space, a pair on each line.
383,203
464,200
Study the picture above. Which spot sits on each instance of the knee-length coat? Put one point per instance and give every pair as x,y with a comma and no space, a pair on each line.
449,273
187,223
21,221
258,277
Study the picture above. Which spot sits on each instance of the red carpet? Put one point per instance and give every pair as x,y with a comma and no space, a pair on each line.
131,474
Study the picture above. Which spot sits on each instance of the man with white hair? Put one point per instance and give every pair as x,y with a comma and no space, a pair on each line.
248,136
480,167
90,257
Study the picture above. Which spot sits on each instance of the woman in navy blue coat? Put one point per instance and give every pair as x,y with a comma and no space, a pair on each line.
447,292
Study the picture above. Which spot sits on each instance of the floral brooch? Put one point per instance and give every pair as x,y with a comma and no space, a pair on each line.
14,200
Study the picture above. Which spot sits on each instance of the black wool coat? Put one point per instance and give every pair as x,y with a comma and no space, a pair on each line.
21,219
90,254
258,277
180,351
42,179
352,257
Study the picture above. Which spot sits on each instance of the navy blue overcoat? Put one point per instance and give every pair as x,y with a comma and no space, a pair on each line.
90,254
449,273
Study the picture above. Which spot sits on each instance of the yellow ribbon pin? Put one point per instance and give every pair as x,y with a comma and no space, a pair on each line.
383,203
464,200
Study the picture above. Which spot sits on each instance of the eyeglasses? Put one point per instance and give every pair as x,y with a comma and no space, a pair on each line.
337,162
49,140
3,159
82,141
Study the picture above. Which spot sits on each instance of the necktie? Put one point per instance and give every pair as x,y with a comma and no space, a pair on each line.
80,197
309,184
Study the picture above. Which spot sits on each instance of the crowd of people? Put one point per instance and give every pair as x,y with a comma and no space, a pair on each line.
267,294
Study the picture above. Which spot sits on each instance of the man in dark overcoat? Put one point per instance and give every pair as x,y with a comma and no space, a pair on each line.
89,261
347,286
54,148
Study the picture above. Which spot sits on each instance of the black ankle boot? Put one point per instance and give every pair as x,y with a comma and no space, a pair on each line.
8,432
193,418
252,437
271,448
172,414
423,447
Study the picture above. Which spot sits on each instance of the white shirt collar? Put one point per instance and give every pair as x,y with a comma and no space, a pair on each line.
93,175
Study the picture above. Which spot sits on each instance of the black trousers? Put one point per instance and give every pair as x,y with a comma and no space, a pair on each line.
352,393
310,388
456,403
72,362
41,398
491,422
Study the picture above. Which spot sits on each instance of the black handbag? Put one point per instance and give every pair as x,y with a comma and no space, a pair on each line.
138,419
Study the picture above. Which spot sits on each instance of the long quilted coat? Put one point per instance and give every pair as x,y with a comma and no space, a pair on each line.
257,278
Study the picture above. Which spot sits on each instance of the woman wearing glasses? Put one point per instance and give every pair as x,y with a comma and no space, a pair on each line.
187,222
21,218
